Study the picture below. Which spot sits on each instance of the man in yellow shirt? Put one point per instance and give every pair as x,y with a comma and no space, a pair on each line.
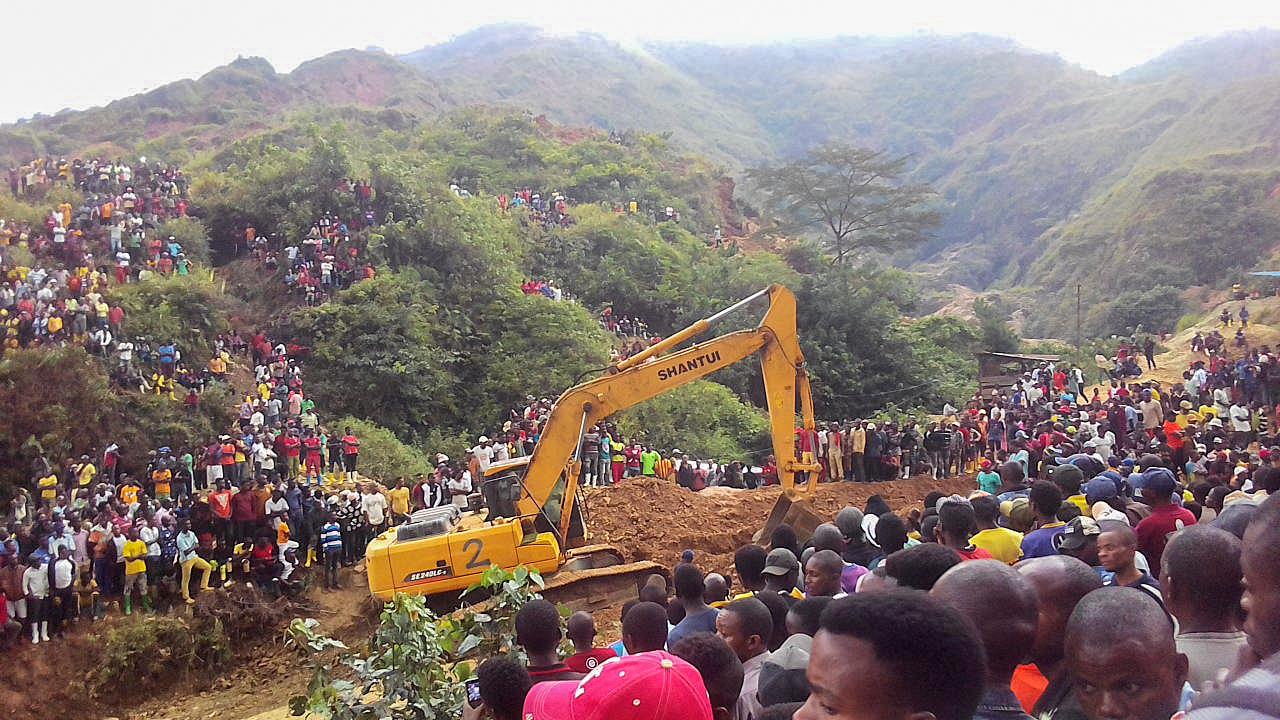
135,571
48,486
86,472
1004,544
161,479
399,498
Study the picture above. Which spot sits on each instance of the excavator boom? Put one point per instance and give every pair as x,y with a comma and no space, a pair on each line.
651,373
443,551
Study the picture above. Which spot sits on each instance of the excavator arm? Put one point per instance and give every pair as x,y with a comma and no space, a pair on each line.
553,469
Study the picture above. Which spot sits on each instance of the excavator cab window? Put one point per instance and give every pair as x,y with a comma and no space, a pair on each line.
501,493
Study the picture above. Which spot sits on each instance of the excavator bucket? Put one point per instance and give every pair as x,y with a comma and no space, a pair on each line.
799,514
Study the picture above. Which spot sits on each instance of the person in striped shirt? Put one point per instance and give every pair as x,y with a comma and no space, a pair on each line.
331,543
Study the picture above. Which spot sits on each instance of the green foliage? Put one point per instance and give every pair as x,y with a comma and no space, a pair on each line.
704,419
535,347
34,211
145,654
1156,309
382,454
855,198
188,310
191,234
86,414
379,352
997,336
416,662
277,189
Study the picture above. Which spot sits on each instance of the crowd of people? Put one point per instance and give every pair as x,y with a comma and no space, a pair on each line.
548,210
55,277
881,615
326,260
253,505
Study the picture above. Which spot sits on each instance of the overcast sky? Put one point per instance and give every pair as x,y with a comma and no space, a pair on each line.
76,53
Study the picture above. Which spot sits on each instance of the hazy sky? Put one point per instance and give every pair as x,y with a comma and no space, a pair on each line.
75,53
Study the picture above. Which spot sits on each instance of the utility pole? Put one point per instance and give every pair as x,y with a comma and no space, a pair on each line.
1078,287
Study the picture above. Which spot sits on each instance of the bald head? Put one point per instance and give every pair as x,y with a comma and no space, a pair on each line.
1001,604
828,537
717,588
582,629
1059,581
1118,639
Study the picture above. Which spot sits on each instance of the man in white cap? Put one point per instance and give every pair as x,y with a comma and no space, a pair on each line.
484,453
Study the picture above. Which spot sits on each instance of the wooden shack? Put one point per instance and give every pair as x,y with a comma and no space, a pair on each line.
997,370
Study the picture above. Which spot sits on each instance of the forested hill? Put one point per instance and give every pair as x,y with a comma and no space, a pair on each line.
1051,175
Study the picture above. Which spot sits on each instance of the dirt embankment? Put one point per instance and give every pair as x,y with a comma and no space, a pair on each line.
656,520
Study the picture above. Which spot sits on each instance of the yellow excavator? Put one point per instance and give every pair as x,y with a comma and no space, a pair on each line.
535,516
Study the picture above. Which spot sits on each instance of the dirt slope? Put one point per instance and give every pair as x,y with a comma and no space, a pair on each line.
1264,329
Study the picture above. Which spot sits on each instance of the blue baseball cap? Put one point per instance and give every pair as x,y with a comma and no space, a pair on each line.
1100,488
1158,480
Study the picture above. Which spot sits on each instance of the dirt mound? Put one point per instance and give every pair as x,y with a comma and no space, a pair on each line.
656,520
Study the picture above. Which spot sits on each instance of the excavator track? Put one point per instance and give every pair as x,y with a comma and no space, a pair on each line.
595,577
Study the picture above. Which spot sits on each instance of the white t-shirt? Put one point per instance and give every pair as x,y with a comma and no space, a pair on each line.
151,536
484,455
277,506
462,482
375,507
1240,418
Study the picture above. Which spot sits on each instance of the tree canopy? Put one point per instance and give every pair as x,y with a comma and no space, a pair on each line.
858,199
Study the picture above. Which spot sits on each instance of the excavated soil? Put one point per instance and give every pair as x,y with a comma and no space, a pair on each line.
651,519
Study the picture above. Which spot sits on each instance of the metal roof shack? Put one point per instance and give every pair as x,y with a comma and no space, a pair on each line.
1000,369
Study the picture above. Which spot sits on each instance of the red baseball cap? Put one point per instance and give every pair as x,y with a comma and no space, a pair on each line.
649,686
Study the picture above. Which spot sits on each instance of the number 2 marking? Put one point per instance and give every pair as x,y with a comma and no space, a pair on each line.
475,561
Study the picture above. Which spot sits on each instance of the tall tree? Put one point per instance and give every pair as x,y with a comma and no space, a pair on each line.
857,197
997,335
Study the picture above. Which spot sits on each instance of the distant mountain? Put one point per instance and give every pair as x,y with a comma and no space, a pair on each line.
229,102
588,80
1052,175
1219,60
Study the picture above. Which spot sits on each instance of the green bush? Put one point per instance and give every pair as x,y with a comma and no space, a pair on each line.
148,653
703,419
191,234
188,310
382,455
1187,321
416,663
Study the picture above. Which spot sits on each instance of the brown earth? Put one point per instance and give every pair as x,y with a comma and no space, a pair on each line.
656,520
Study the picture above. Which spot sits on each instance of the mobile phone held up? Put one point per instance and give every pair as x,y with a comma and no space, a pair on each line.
473,692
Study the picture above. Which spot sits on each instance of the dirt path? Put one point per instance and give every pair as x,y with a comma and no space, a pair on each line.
1264,329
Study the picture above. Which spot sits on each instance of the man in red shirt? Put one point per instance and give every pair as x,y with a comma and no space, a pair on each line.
582,631
1158,485
313,445
292,451
220,505
244,512
956,524
350,453
227,459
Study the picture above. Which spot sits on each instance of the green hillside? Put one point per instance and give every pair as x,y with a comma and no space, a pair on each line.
1035,159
